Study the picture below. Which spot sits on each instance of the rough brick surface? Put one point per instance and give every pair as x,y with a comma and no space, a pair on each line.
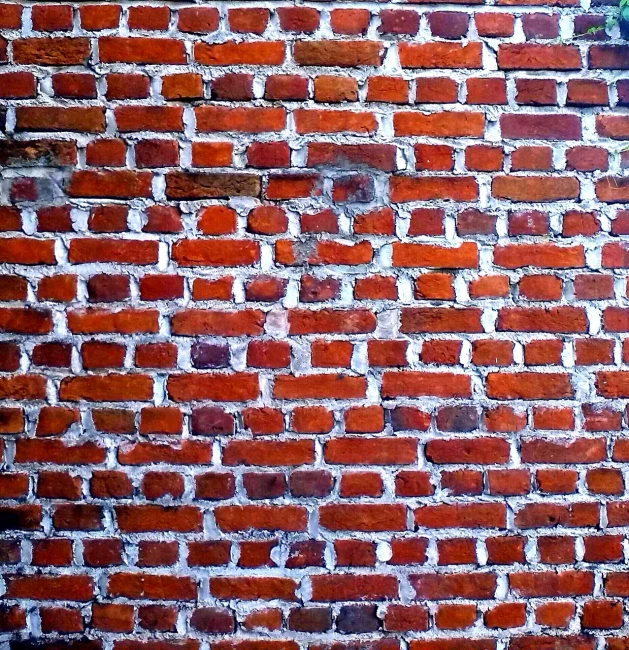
312,325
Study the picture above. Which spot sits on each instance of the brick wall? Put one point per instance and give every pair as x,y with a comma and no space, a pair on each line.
313,326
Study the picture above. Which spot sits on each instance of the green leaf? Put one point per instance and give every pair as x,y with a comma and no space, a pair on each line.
611,22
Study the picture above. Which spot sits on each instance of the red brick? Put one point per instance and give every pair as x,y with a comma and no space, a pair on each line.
232,53
51,18
17,85
113,49
440,55
198,19
338,53
248,20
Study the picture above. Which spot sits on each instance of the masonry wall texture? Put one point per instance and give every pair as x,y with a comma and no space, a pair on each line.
313,326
